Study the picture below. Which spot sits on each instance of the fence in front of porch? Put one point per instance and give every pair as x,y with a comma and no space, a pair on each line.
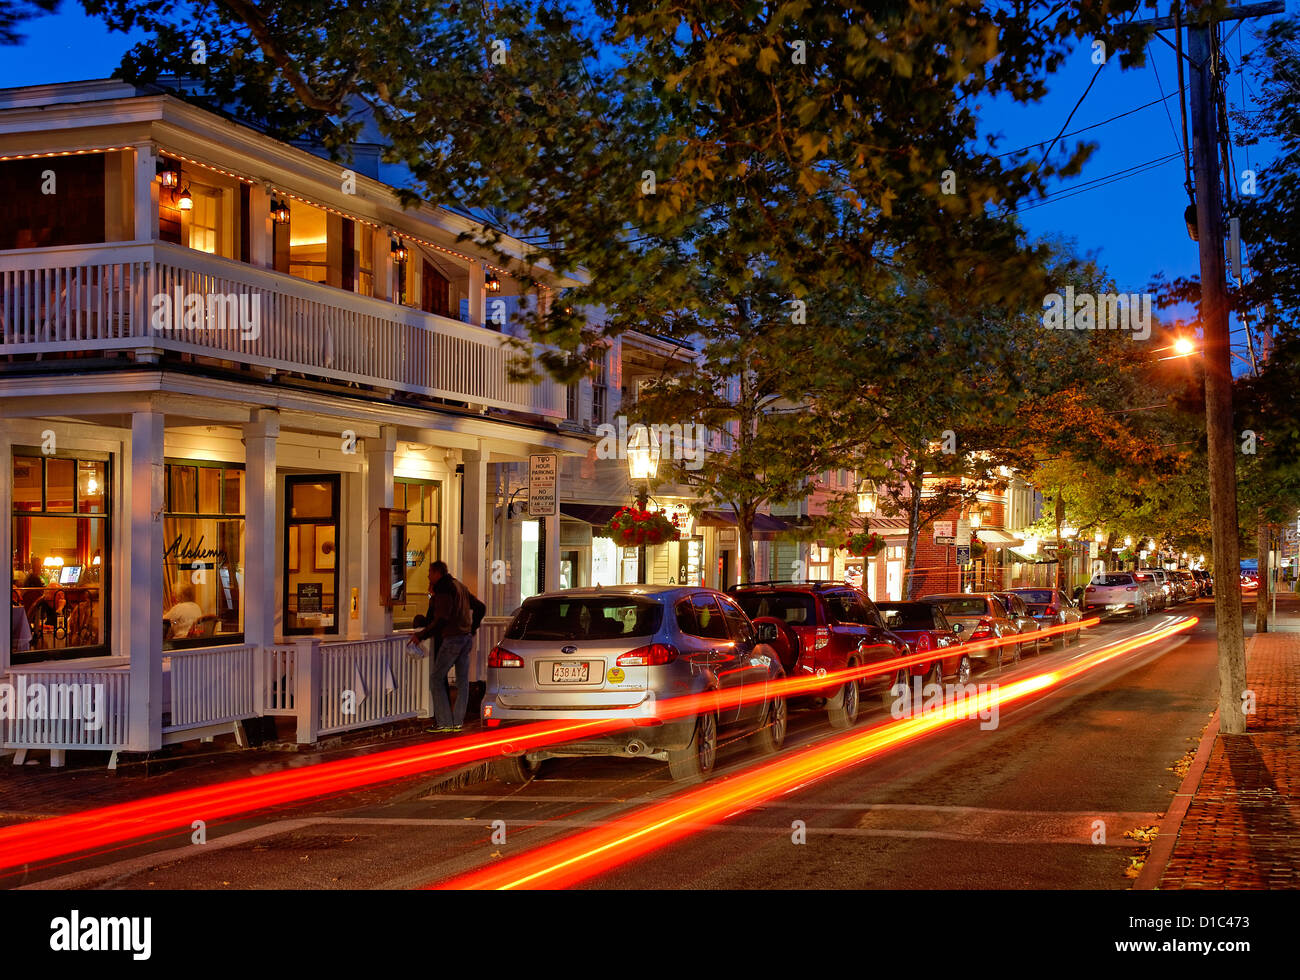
329,688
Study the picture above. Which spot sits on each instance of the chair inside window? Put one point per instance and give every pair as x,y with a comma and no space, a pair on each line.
204,627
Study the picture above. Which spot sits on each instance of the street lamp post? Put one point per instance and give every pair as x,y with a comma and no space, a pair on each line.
642,465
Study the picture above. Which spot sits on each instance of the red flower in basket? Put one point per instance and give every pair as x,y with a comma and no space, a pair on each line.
632,527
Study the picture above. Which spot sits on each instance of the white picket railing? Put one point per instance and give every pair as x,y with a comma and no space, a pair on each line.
212,686
279,664
369,682
102,298
80,709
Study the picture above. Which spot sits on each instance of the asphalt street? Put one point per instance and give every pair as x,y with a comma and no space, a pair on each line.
1024,805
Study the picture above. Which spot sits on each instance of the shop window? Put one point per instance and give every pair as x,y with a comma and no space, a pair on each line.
422,501
60,552
311,537
203,554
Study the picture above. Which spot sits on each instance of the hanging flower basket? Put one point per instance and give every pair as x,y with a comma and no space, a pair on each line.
632,527
1127,556
867,544
978,549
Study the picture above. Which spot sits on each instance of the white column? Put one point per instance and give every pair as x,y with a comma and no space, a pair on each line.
146,194
473,539
376,618
144,607
261,243
260,594
477,294
6,541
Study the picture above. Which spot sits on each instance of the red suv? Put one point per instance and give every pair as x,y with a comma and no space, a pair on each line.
823,627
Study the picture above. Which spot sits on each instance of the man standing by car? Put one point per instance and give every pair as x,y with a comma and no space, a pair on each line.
451,621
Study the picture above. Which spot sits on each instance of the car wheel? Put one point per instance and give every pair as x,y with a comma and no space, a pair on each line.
887,696
514,768
771,736
695,762
963,670
843,709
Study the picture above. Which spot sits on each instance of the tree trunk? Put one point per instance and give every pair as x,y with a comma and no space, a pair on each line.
745,529
913,531
1060,565
1261,597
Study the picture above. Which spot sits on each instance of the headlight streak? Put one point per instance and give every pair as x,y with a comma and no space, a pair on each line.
585,855
43,840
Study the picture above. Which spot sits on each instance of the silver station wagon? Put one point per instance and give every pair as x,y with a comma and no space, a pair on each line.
621,652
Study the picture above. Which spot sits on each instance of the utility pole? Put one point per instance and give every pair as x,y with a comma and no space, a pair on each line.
1221,438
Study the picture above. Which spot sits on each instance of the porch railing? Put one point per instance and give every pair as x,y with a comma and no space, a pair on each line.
110,297
75,709
212,686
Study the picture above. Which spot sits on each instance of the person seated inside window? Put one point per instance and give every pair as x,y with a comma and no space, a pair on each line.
183,615
46,611
20,630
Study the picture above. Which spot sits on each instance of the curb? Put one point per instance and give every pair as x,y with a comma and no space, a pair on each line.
1170,825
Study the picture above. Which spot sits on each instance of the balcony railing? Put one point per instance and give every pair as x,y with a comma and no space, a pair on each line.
110,298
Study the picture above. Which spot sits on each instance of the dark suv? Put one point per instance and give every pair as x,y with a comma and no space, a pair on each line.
823,627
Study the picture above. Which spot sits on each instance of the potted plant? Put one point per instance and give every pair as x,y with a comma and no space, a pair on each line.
866,544
632,527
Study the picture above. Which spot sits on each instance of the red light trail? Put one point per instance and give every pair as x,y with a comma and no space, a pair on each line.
593,852
43,840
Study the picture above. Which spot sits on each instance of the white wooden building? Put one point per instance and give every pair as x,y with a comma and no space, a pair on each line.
222,384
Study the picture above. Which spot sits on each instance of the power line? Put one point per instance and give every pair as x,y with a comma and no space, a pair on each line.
1065,124
1097,182
1095,125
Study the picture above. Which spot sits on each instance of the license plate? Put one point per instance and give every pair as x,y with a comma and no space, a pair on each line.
571,673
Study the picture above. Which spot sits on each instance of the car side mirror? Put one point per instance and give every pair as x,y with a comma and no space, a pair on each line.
765,632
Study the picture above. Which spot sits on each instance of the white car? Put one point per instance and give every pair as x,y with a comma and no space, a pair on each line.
1114,594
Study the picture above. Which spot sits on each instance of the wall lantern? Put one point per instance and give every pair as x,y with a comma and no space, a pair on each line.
492,284
398,250
186,200
280,212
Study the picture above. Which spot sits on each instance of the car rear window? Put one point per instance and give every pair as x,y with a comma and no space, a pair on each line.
585,618
1112,580
796,608
964,607
908,615
1037,597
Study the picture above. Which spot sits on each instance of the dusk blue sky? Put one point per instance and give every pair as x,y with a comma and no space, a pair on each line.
1135,224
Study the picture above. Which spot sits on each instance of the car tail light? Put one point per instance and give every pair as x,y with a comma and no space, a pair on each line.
504,658
983,630
1091,588
924,644
1053,609
655,655
1130,588
821,638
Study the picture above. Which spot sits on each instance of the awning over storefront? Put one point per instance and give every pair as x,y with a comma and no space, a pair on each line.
999,539
1038,559
765,525
886,527
597,515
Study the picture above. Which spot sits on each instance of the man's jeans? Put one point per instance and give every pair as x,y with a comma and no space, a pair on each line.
455,650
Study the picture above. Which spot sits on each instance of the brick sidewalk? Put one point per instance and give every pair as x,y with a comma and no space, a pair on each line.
1242,828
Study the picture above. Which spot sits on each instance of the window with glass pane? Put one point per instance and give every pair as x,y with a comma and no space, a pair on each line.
311,578
203,555
60,553
423,502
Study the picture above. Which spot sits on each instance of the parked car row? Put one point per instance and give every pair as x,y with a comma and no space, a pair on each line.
619,652
1146,590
